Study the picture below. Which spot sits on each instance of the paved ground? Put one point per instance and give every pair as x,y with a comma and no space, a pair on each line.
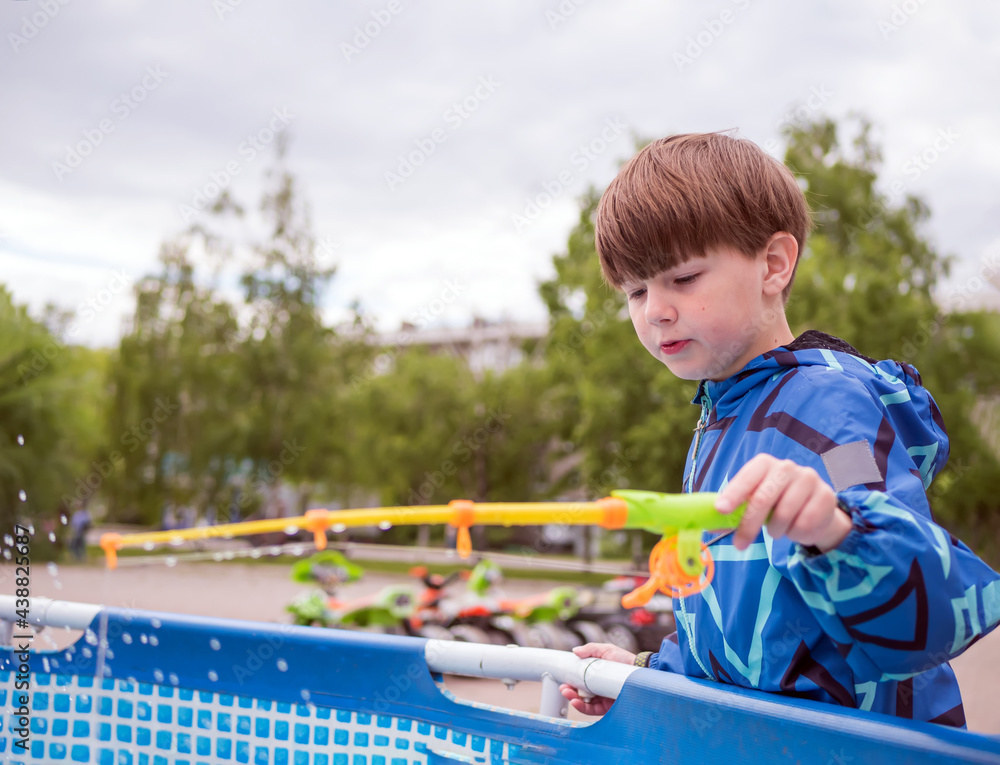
260,591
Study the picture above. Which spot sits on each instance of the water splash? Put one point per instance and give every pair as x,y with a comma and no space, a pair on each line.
213,675
22,495
53,569
385,525
291,530
282,665
52,536
63,520
339,527
153,640
215,644
158,675
20,440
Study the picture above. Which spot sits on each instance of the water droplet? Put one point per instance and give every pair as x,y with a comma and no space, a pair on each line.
153,640
215,644
170,561
297,550
158,675
339,527
213,675
8,540
57,584
45,665
53,569
176,541
291,530
52,536
90,636
109,653
218,557
63,520
20,440
255,553
156,623
174,680
282,665
305,694
22,495
87,652
31,529
126,638
385,525
6,554
143,639
147,546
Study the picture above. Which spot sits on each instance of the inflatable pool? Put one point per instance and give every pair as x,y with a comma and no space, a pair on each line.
149,688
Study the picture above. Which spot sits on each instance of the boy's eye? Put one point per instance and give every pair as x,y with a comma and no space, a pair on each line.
636,294
689,279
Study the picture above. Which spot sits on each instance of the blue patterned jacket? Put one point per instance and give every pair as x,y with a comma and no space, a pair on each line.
873,623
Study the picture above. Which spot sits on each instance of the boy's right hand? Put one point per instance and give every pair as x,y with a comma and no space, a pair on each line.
597,705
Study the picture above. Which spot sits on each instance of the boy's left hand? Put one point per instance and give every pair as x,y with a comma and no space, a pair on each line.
802,506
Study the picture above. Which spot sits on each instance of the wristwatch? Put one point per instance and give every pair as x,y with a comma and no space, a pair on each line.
642,659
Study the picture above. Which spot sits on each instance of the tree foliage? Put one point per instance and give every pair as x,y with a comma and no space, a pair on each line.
236,401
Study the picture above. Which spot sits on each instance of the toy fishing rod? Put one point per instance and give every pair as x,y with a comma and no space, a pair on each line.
680,563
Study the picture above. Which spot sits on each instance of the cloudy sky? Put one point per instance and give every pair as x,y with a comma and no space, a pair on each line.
421,132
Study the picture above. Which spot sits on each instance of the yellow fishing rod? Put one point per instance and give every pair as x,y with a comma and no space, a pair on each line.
680,564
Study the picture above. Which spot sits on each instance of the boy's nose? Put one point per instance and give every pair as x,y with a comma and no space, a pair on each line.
659,306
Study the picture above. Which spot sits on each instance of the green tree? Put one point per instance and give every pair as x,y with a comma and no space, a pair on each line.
50,432
869,275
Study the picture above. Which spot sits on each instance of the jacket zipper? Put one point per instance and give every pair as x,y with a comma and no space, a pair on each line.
699,429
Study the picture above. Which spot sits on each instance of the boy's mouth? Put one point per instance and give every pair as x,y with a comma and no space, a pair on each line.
675,347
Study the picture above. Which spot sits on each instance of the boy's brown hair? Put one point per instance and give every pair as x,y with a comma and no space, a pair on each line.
685,194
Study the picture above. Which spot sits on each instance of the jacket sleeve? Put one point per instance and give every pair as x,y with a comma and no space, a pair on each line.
669,657
899,594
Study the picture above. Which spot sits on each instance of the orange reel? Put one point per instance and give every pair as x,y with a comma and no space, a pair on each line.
667,576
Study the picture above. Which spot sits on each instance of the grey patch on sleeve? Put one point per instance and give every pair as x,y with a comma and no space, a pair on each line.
851,464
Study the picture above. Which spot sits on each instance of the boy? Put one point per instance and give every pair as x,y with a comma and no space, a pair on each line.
837,585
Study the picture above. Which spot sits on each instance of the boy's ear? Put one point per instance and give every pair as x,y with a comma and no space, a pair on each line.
781,253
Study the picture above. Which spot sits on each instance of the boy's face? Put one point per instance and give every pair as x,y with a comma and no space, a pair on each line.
708,317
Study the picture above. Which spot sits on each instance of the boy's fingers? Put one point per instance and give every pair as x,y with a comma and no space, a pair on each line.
742,485
788,509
